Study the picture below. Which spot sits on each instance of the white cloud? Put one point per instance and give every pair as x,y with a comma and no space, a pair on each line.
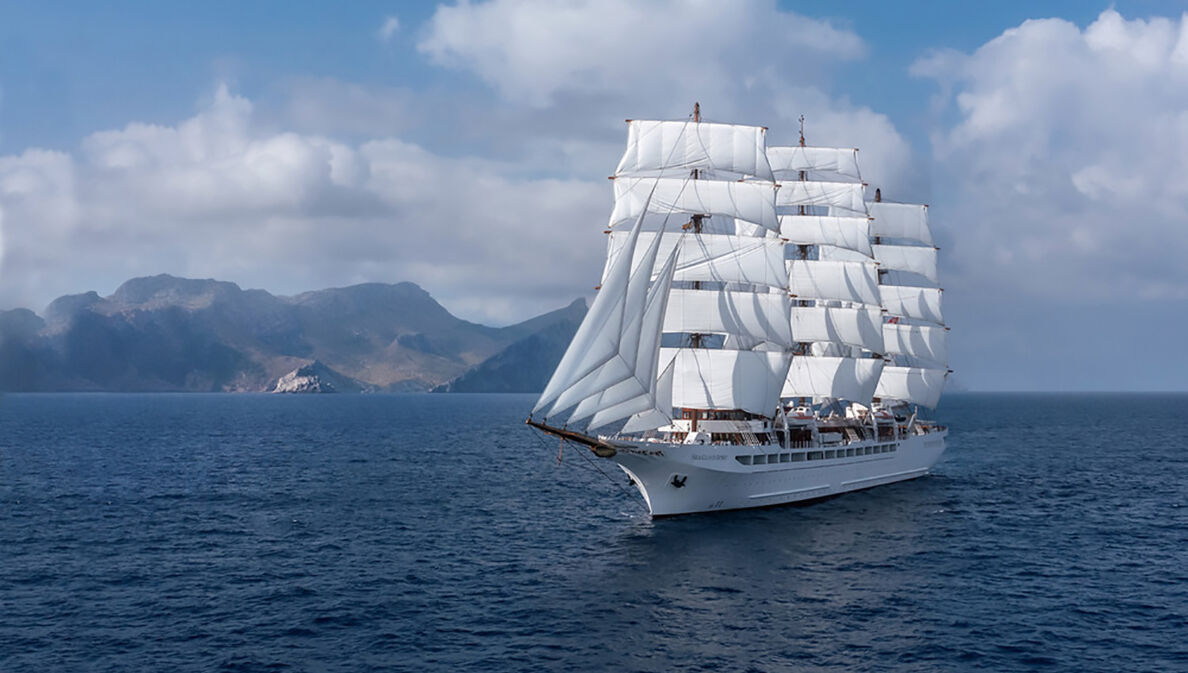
389,28
1065,164
218,195
498,205
532,50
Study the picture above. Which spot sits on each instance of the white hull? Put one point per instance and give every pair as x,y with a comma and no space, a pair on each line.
714,478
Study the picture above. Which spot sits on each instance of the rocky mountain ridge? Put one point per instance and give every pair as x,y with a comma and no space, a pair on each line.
164,333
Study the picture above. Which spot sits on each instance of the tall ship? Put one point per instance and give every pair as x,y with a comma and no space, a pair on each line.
762,334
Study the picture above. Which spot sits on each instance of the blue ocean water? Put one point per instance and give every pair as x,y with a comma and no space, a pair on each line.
436,533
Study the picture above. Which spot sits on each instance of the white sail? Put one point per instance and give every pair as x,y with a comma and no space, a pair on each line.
750,201
900,220
850,326
914,385
761,317
910,258
655,146
851,379
660,413
638,392
599,336
832,252
851,233
705,378
712,257
917,303
918,341
642,301
846,196
787,162
830,280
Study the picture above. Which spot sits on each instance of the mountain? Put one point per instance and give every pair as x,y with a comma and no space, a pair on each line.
164,333
525,365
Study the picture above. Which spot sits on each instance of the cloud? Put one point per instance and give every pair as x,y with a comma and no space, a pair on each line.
389,28
221,195
591,63
533,50
493,199
1063,157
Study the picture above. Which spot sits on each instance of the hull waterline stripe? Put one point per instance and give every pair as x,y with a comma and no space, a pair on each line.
919,470
791,492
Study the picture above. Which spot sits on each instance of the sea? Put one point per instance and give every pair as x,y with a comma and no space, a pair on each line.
221,532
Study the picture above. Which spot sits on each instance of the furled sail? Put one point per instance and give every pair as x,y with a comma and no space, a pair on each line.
914,385
787,162
900,220
833,377
831,280
859,327
711,257
917,303
761,317
705,378
655,146
846,196
924,342
910,258
850,233
750,201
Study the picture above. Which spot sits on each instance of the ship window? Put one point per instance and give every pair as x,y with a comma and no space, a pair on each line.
815,455
849,452
745,460
866,451
785,457
773,458
798,457
760,459
830,454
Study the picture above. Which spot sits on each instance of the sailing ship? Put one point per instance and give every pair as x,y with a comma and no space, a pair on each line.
762,334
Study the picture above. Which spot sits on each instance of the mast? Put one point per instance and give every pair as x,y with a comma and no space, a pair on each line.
742,301
695,337
836,297
914,332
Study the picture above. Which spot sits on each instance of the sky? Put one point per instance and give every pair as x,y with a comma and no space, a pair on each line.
465,147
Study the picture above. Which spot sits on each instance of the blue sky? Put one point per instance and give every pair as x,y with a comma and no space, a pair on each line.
292,146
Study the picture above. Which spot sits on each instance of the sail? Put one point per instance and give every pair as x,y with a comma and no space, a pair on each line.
750,201
661,411
851,379
638,392
846,196
599,336
711,257
910,258
850,233
917,303
850,326
642,301
761,317
830,280
918,341
787,162
914,385
705,378
900,220
655,146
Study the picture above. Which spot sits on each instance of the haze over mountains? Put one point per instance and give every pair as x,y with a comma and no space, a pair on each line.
164,333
